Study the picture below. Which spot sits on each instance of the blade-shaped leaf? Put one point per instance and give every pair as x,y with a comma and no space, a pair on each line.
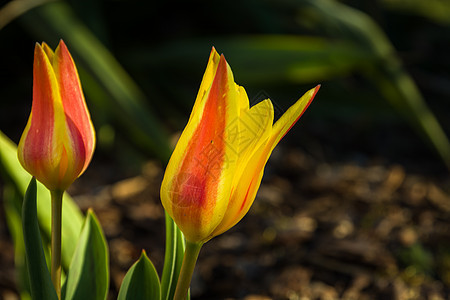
141,282
173,259
40,280
88,276
13,214
71,226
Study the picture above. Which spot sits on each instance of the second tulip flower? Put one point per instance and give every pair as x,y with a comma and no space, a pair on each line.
218,163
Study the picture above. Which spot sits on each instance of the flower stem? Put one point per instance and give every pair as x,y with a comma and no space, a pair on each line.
187,269
56,240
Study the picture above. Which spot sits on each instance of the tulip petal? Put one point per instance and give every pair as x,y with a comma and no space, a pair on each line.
244,192
252,168
243,101
48,51
207,80
197,183
82,140
291,116
39,149
255,125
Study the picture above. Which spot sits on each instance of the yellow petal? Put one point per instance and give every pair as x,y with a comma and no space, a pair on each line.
291,116
48,51
250,170
197,182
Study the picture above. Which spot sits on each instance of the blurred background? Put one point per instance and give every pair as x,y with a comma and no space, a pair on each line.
355,200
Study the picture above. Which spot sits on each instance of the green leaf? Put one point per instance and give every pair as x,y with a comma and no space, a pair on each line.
88,276
141,281
40,280
13,172
13,214
173,259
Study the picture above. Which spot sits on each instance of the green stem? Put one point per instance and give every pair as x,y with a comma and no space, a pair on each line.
56,240
187,269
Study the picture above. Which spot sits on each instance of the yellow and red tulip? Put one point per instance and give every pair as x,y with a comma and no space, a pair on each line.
59,139
216,168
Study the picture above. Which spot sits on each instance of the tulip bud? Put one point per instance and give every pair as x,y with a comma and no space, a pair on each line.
59,139
216,168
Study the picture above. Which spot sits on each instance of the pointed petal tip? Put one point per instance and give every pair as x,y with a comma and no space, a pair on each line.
222,58
38,47
222,67
44,45
316,89
213,56
61,44
213,52
38,51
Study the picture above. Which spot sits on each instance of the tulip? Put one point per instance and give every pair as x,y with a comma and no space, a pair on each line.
216,168
58,141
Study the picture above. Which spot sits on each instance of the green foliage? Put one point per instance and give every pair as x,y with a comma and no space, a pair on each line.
12,200
387,73
88,276
40,281
141,281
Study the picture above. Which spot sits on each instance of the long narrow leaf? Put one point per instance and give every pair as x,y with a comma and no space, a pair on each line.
40,280
13,214
88,276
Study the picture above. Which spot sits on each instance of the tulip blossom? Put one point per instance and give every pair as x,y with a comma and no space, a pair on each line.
216,168
58,141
